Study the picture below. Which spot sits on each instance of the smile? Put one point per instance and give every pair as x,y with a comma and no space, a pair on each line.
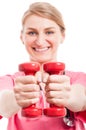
41,49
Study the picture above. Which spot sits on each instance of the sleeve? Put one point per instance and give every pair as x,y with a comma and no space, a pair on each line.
81,116
6,82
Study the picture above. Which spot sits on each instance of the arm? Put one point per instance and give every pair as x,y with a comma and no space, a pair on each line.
79,77
61,92
17,93
8,105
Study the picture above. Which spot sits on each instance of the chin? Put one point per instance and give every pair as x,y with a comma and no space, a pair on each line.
44,60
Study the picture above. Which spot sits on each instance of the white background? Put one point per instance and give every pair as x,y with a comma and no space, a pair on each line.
12,52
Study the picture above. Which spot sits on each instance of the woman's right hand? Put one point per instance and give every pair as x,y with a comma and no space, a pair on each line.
26,90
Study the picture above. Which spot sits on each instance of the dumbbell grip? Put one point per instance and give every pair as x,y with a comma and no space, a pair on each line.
54,68
30,69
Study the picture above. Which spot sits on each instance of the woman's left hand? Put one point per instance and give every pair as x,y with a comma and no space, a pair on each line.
62,94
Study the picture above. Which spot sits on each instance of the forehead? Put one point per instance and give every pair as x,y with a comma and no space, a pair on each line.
36,21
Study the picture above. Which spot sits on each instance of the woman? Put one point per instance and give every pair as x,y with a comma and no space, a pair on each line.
43,30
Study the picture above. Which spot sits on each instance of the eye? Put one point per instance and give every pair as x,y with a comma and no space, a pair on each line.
31,33
49,32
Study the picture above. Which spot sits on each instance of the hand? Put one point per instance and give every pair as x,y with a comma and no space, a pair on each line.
62,94
77,98
26,90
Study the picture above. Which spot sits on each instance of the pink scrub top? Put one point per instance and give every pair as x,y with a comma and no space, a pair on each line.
18,122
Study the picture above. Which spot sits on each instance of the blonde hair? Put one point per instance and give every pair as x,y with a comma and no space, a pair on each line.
45,10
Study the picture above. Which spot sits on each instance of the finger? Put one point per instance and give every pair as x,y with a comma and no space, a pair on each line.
58,102
26,95
28,102
57,95
39,76
45,77
58,78
25,79
27,88
57,87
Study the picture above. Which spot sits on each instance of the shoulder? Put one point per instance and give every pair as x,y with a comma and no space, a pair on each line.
77,77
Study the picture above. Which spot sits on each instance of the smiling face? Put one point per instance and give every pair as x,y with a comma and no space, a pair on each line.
41,37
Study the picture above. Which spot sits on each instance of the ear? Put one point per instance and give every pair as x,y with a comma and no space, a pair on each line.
21,36
63,37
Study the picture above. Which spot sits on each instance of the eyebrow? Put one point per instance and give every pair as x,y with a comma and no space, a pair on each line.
31,28
49,28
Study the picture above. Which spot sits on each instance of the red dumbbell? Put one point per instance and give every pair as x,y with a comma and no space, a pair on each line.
54,68
30,69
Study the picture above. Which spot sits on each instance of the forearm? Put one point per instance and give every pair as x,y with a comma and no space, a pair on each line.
84,107
8,105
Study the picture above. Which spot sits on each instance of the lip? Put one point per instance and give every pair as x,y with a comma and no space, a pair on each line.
44,49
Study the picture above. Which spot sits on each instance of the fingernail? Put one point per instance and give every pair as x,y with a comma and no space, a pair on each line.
39,79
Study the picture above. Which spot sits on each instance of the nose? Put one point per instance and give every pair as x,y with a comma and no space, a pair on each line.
40,40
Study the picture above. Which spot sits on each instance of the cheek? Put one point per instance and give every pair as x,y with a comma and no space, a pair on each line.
55,45
55,39
29,40
55,42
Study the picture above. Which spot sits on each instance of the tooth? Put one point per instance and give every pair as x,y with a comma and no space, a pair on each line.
42,49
